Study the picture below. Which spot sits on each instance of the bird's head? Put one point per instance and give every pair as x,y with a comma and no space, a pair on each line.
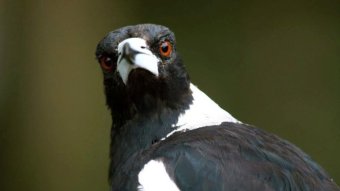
142,70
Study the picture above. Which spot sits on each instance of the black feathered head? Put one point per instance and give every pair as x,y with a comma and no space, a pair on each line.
142,70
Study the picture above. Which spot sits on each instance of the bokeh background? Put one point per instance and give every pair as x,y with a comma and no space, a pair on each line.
274,64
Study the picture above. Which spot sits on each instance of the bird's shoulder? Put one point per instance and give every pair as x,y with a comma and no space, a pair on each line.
211,158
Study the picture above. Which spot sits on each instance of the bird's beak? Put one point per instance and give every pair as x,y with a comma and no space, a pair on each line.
135,53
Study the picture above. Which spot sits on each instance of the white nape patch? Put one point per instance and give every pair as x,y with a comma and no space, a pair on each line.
154,177
143,58
201,113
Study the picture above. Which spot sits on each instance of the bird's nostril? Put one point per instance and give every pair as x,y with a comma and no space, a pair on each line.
143,47
126,48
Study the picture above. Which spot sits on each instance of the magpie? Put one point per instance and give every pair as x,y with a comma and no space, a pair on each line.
168,135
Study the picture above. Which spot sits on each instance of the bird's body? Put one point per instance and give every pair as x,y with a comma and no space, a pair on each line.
229,156
168,135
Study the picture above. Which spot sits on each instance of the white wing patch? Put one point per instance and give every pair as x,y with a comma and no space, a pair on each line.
201,113
154,177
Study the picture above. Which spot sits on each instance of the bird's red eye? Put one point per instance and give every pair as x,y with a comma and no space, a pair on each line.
106,63
165,48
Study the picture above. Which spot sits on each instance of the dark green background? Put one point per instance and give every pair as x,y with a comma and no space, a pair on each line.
274,64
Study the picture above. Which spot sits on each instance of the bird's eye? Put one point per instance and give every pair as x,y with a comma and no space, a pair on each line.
165,48
106,63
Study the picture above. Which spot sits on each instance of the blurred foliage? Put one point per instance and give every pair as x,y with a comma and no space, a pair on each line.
274,64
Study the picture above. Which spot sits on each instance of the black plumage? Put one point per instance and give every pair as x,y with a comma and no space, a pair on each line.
155,118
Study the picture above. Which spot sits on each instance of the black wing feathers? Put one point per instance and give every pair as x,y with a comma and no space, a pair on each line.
227,156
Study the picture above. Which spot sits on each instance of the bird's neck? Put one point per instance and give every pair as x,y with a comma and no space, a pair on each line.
144,120
143,130
138,134
201,113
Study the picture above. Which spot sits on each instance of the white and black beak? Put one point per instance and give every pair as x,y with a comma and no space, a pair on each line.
134,53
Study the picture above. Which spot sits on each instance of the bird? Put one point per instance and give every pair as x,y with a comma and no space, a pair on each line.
168,135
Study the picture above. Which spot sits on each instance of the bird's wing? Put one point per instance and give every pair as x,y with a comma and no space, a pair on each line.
226,156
